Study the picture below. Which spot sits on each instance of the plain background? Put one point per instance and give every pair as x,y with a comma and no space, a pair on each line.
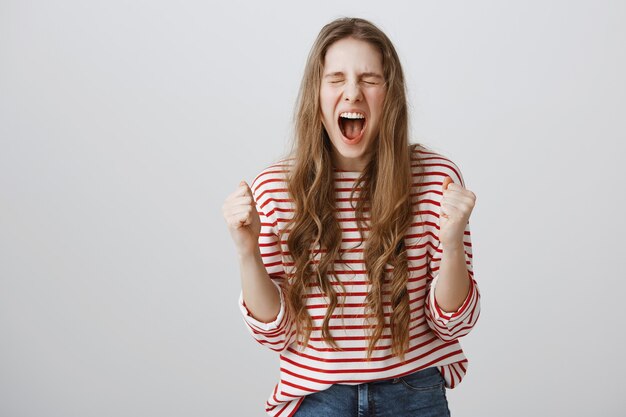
125,124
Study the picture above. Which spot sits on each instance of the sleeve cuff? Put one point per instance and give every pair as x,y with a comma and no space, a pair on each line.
259,325
446,316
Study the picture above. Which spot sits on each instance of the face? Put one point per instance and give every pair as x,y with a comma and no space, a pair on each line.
351,100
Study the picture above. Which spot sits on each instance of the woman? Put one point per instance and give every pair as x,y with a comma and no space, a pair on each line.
355,250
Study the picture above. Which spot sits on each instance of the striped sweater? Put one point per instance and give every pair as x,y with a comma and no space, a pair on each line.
433,332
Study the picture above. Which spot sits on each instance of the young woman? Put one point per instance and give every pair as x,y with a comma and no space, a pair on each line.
355,249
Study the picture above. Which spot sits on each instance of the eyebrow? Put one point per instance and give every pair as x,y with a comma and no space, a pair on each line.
364,74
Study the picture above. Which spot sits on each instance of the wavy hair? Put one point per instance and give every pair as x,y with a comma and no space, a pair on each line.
385,186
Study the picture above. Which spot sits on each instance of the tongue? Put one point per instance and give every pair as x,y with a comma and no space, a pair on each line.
352,127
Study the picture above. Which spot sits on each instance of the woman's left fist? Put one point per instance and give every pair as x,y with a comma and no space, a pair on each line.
457,204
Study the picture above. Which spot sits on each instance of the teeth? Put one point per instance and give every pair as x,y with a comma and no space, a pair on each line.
348,115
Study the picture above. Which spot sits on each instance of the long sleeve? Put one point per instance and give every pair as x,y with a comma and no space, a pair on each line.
452,325
279,333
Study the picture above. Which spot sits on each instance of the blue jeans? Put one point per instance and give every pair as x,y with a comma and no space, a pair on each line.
420,394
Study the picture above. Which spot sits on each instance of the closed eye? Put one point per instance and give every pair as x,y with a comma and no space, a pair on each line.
367,82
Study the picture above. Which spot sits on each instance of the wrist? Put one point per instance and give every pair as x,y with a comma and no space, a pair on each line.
247,255
453,248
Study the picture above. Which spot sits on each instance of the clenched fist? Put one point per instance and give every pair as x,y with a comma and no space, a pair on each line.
242,219
457,204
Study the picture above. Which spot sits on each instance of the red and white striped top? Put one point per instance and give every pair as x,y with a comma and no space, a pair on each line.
433,332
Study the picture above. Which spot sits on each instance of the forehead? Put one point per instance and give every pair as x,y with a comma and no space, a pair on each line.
351,54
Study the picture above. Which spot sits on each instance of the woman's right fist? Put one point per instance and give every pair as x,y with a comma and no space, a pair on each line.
242,219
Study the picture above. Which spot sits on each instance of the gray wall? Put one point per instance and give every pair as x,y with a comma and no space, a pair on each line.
124,126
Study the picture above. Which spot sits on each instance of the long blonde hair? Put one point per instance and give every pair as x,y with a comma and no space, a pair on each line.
385,192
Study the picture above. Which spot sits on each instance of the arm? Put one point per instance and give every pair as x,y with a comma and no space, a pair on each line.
452,276
261,300
453,300
258,290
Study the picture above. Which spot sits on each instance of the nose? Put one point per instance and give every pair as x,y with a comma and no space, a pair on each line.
352,92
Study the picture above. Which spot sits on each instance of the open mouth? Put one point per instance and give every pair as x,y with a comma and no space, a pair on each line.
352,125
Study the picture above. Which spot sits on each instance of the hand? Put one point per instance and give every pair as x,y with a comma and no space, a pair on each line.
456,207
242,218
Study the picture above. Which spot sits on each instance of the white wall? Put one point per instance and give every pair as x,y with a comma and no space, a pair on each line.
124,125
